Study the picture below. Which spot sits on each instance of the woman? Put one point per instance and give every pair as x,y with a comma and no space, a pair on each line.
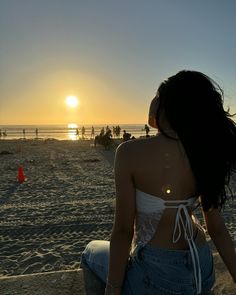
157,246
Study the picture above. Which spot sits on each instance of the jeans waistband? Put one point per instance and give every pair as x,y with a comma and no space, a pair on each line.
158,254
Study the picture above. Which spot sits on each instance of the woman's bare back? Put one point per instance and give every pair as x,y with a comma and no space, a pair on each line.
161,168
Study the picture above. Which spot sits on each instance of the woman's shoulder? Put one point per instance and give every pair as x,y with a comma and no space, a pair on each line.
135,145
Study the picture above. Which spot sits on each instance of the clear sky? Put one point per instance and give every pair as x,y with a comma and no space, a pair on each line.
111,54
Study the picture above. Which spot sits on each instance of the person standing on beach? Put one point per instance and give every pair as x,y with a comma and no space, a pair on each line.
102,132
157,246
92,132
24,133
147,130
83,132
36,132
77,132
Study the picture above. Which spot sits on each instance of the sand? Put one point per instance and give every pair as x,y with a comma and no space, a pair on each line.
68,282
67,201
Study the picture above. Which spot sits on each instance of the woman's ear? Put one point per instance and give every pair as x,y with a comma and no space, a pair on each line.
152,113
152,121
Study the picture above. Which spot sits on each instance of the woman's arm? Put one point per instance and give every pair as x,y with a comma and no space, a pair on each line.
222,240
122,232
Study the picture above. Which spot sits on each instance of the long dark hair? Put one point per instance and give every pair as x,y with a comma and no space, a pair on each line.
193,106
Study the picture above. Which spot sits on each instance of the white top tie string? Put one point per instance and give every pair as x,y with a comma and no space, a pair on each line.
187,226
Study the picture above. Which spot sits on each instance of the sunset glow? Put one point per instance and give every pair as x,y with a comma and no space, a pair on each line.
95,62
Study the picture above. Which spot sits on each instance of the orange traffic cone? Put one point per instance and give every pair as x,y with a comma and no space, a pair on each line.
21,178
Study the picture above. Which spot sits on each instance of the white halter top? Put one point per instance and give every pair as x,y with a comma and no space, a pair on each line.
149,212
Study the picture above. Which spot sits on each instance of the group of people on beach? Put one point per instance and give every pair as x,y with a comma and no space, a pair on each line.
115,132
36,133
157,245
4,133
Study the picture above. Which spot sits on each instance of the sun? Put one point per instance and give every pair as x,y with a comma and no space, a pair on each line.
72,101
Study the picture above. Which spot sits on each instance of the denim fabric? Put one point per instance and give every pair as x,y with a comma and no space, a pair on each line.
153,270
96,257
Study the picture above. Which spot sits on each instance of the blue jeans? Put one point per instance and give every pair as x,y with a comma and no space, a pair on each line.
153,270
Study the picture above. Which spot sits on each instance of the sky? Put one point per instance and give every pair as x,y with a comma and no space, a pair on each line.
111,54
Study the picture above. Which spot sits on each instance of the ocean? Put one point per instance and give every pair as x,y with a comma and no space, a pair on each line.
66,132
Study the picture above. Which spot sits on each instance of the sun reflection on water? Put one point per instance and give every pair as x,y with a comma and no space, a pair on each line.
72,126
72,132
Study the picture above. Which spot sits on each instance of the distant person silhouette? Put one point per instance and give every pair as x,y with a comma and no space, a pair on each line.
108,132
147,130
23,133
36,132
102,132
77,132
92,132
107,128
83,131
126,135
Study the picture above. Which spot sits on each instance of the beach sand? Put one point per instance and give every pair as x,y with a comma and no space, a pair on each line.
67,201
